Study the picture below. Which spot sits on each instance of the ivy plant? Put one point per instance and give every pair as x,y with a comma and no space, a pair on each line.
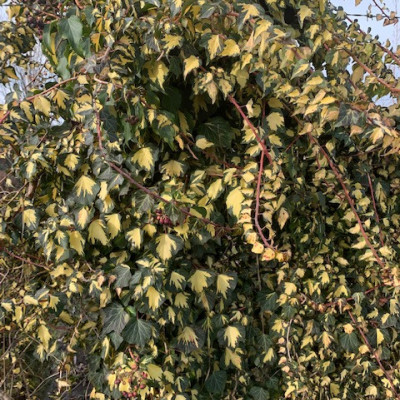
201,203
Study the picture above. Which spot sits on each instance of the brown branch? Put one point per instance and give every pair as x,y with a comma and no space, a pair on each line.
252,127
164,200
375,354
382,10
30,98
144,188
349,199
11,254
369,70
375,210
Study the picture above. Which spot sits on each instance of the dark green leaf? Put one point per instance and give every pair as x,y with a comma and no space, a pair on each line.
137,331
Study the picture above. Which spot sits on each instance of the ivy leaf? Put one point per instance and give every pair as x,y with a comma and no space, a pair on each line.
42,104
167,246
86,190
199,280
232,336
349,341
71,29
225,282
218,131
137,331
258,393
154,297
215,384
124,275
190,63
115,318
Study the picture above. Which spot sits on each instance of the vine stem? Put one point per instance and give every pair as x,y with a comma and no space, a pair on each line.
265,153
252,127
30,98
394,57
349,199
369,70
375,354
11,254
142,187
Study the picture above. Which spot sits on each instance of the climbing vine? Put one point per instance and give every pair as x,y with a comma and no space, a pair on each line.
201,203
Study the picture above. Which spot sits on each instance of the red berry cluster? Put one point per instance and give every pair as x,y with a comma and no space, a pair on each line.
162,219
135,377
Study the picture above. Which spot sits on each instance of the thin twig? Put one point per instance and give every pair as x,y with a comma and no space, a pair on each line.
252,127
375,354
11,254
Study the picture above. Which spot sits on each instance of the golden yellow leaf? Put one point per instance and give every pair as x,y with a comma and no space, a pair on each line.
167,246
275,120
379,337
199,280
154,297
203,143
233,357
181,300
191,63
188,336
113,224
42,104
232,335
214,45
135,237
215,189
29,218
96,232
234,202
157,71
230,48
144,158
71,161
155,372
223,284
173,168
76,242
176,279
84,186
82,217
290,288
44,336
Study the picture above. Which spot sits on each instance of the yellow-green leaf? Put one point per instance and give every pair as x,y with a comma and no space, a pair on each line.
154,296
199,280
76,242
135,237
97,233
144,158
223,284
275,121
214,45
42,104
44,336
215,189
234,202
113,224
230,48
155,372
232,335
167,246
191,63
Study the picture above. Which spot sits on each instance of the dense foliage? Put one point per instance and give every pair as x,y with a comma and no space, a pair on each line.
202,203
